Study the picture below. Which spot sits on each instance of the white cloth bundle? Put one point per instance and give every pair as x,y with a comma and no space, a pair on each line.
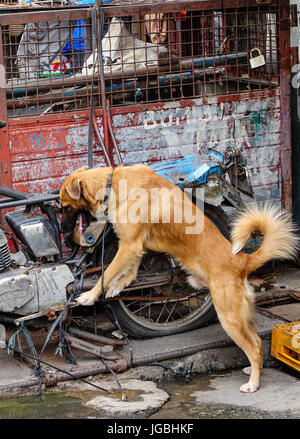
123,52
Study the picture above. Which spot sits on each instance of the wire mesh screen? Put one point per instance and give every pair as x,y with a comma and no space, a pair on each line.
56,66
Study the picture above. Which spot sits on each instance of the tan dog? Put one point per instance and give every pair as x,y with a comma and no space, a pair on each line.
205,255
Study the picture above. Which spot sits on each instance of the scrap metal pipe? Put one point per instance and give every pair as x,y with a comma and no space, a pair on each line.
122,8
13,194
190,350
117,366
95,337
112,134
5,200
50,379
32,200
103,146
175,67
133,86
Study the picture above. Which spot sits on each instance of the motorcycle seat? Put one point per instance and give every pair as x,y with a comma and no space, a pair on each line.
188,171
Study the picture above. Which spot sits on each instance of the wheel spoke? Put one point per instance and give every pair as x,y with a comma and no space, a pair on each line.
139,307
171,312
165,304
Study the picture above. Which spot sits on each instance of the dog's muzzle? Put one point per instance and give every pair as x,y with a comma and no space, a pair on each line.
68,219
68,223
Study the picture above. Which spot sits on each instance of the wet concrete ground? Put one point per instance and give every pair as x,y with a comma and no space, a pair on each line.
213,392
217,397
208,397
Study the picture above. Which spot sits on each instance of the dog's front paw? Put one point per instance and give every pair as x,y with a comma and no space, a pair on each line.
86,299
113,292
248,388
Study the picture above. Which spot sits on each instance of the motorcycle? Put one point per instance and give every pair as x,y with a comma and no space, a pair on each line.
38,279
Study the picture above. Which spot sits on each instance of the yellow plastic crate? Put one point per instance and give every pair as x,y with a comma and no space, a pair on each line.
286,344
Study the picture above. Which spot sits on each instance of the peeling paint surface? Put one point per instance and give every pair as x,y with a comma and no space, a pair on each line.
43,154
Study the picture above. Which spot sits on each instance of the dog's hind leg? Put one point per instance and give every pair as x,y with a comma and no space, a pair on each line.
234,313
251,345
256,360
127,258
247,370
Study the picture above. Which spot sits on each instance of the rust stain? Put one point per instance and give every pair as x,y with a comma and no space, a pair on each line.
43,154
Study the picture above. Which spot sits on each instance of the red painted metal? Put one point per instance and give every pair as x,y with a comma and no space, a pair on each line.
5,168
39,151
285,103
5,159
125,8
44,150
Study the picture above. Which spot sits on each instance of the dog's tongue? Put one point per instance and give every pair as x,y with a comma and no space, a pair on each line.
80,223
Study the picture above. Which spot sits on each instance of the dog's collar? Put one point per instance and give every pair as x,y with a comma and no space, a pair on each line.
107,195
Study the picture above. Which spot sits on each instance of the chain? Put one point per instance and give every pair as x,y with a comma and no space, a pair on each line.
145,299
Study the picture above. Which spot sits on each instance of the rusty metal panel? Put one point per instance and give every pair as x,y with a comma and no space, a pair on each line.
44,153
172,130
42,156
128,7
159,111
285,104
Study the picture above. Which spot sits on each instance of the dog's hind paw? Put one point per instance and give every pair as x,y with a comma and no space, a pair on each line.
248,388
247,370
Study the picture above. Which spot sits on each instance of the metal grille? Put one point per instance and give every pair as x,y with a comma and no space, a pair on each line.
34,3
53,66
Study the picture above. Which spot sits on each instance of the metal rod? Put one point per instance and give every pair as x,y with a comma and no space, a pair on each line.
51,379
88,347
95,337
13,193
176,67
43,313
121,9
112,134
164,81
107,159
191,350
5,200
28,201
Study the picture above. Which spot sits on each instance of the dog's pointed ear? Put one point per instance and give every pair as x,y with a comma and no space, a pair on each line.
84,168
73,188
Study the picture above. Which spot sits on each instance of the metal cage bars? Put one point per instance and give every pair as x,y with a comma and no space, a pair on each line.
51,62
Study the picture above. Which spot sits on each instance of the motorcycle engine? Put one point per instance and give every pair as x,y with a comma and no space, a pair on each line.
28,290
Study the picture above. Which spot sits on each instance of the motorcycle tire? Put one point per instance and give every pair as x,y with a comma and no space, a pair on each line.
142,326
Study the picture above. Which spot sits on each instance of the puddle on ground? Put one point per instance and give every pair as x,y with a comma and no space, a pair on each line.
59,405
182,406
71,405
46,406
131,395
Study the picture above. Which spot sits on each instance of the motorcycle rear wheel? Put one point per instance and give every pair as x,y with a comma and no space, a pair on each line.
187,309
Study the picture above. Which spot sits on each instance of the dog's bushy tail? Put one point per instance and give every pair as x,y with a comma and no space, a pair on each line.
280,238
